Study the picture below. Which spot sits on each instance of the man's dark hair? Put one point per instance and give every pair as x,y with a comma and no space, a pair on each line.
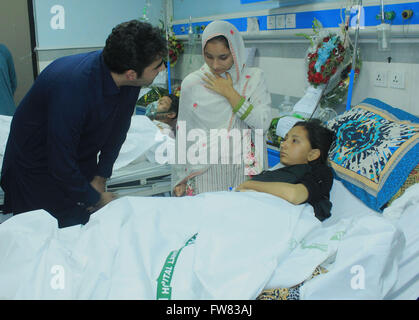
319,136
174,107
133,45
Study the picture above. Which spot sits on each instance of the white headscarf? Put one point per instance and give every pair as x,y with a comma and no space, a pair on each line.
203,109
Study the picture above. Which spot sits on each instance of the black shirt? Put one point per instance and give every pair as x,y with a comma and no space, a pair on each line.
316,177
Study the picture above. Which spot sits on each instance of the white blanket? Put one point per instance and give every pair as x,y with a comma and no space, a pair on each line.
245,242
143,139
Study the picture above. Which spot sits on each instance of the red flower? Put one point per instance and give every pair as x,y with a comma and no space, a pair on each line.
326,39
312,64
318,77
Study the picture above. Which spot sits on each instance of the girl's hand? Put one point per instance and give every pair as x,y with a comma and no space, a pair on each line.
245,186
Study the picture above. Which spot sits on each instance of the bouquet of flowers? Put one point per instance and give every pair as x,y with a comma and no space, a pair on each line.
329,62
175,49
177,92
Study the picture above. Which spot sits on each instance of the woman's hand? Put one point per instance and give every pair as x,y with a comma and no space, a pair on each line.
223,87
219,84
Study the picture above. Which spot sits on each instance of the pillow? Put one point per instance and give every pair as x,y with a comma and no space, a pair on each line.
412,179
376,148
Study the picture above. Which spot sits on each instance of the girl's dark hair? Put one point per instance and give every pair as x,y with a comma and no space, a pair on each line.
220,39
319,136
133,45
174,107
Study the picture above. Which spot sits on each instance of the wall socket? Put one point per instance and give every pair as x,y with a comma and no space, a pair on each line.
396,80
380,78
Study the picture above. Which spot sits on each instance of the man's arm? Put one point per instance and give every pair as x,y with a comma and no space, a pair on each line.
110,150
293,193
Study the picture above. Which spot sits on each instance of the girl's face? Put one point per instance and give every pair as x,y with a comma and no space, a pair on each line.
296,148
218,57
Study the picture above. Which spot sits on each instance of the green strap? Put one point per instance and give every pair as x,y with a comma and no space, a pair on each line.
239,105
244,116
164,290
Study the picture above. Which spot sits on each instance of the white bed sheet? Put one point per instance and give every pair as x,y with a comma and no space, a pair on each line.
126,243
407,285
404,214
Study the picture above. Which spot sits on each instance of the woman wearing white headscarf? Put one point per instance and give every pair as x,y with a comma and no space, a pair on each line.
225,98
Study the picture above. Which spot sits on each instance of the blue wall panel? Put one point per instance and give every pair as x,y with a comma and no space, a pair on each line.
329,18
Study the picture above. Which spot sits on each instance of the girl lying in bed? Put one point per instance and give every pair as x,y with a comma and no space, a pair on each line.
306,176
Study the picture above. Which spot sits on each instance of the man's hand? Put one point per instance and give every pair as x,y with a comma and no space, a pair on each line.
99,184
105,198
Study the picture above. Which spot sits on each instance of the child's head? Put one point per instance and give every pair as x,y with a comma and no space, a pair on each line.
165,109
306,142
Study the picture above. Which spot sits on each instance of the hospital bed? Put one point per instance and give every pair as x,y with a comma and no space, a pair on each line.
136,171
229,245
141,179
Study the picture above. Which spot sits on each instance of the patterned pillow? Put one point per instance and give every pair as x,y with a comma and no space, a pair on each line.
376,148
412,179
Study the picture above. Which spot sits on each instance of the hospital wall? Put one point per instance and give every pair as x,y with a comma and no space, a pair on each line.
283,62
65,27
285,73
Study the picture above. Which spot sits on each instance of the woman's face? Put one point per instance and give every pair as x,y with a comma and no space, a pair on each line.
218,57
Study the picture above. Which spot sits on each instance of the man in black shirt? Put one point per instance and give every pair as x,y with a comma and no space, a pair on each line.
79,107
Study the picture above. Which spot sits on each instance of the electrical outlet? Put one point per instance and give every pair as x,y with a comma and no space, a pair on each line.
280,21
271,22
290,21
396,80
380,78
